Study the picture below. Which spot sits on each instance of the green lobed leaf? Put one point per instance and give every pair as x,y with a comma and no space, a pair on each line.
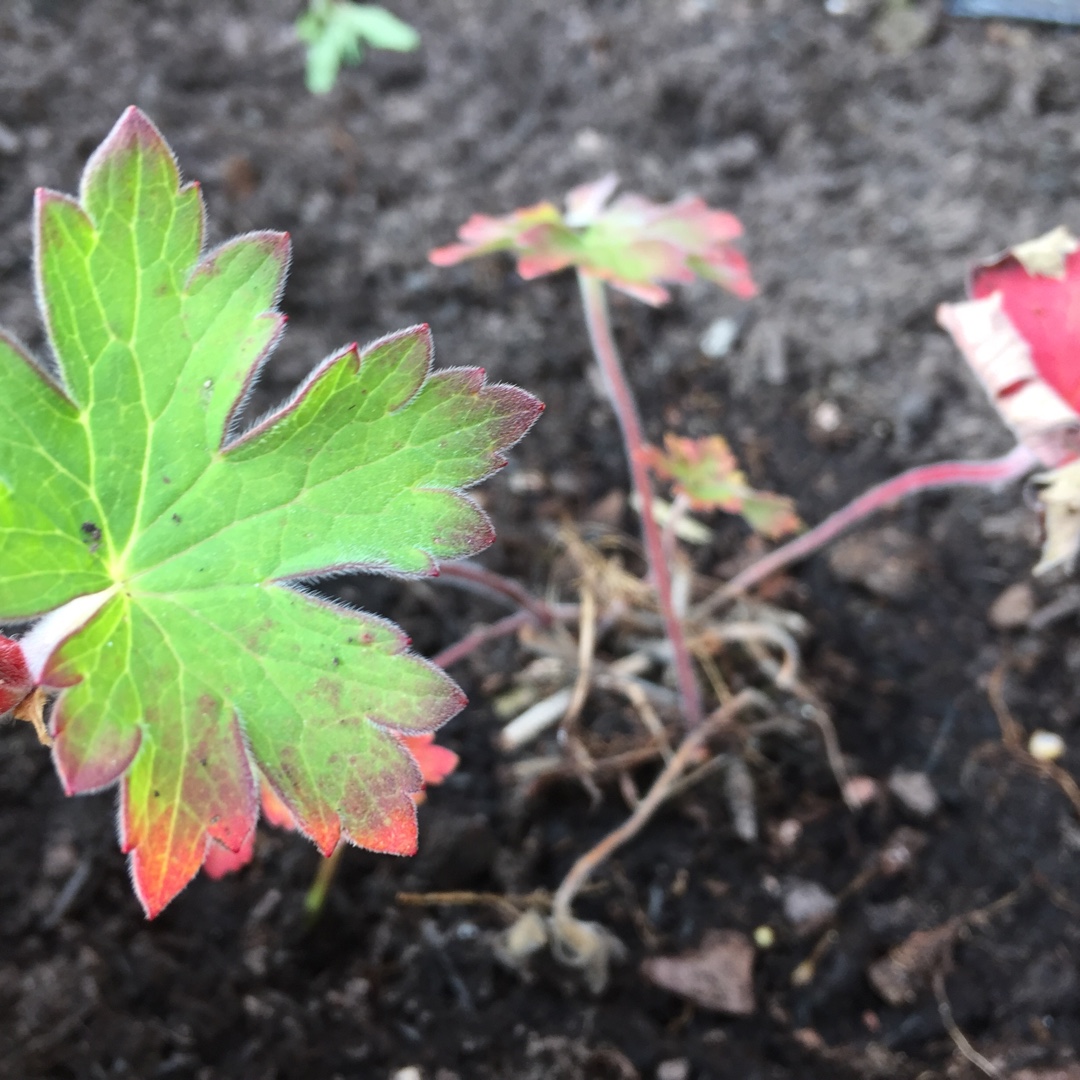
190,660
633,244
704,473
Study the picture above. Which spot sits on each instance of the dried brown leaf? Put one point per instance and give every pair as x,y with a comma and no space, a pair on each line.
717,975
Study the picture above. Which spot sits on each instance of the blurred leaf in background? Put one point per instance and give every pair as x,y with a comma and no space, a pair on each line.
336,31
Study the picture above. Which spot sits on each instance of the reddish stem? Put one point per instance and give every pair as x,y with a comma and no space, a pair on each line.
471,574
993,473
622,400
481,636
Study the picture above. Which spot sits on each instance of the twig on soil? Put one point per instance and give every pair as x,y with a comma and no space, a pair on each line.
897,854
67,896
461,990
586,655
586,864
712,673
645,712
804,972
1012,736
957,1036
508,906
545,714
910,966
535,720
569,739
813,711
786,675
628,790
1055,895
510,624
552,766
715,764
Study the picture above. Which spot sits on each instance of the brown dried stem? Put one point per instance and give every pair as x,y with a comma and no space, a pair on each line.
683,757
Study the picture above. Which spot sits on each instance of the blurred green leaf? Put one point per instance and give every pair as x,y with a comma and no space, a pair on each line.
336,31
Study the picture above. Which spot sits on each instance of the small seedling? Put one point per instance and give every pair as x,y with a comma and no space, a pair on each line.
160,542
706,477
638,247
336,33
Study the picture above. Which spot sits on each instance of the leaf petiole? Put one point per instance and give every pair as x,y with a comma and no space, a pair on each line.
594,301
992,473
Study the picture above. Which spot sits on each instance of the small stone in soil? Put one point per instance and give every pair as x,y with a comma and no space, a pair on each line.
720,335
675,1069
1046,746
859,791
901,850
10,143
788,832
1013,608
902,975
887,562
807,904
915,793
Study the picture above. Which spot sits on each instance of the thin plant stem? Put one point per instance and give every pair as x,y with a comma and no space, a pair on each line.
320,887
594,301
994,472
963,1044
586,655
506,626
662,787
472,575
509,624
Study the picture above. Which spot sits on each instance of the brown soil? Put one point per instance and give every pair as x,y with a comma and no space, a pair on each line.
867,181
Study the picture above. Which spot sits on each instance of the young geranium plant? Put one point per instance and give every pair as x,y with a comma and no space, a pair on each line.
638,247
1015,338
159,545
1020,333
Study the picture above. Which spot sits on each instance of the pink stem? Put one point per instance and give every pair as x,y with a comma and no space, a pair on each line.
468,573
510,624
622,400
997,471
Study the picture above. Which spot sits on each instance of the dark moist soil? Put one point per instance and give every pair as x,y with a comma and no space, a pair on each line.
869,174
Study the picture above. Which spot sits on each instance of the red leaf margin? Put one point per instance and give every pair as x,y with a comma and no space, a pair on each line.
631,243
435,762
